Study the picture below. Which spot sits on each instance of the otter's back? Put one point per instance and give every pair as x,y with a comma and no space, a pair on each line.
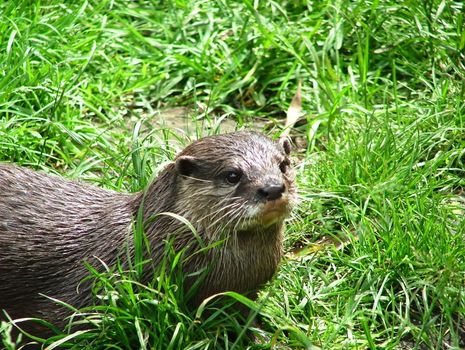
48,227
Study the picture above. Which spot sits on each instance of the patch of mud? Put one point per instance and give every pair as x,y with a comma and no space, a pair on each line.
184,120
187,123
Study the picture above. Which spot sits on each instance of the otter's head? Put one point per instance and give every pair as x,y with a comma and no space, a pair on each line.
235,182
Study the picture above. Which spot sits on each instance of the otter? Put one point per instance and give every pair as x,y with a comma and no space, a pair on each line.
235,187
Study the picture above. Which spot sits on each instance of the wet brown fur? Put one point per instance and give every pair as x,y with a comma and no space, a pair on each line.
49,226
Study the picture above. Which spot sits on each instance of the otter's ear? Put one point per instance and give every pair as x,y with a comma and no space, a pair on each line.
186,165
286,145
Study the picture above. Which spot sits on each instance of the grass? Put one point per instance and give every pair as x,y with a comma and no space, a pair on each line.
379,152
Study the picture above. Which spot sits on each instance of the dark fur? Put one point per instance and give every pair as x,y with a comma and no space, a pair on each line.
49,226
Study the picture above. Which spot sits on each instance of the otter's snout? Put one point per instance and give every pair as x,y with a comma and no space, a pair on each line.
271,192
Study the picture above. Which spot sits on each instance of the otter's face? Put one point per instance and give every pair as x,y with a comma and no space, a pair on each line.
240,181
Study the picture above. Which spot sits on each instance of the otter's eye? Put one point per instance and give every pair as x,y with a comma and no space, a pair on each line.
233,177
283,166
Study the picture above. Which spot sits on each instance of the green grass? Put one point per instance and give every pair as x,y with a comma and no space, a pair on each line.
379,153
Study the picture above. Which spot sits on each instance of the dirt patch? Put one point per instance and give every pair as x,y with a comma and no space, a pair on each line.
187,121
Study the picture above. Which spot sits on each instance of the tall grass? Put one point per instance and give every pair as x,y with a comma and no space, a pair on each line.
379,152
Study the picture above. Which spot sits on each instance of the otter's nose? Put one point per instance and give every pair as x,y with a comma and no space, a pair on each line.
271,192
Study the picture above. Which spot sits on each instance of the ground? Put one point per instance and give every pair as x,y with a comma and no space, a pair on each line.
375,250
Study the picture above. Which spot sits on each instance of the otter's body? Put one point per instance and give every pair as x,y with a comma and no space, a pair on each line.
48,226
234,187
